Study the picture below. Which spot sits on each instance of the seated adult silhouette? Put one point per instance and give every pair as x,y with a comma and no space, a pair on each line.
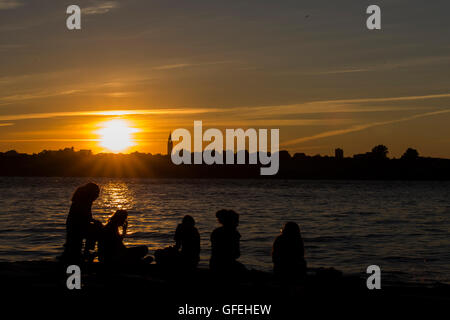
187,242
225,247
112,250
288,254
80,225
185,254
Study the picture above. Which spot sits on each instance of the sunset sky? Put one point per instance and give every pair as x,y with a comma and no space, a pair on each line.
309,68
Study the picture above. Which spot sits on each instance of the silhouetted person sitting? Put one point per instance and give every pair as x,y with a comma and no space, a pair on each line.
187,242
111,249
185,254
225,248
288,254
81,226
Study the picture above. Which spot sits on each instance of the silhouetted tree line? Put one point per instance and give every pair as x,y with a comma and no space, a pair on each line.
371,165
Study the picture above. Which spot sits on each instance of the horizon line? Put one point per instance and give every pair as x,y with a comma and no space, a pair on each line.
223,152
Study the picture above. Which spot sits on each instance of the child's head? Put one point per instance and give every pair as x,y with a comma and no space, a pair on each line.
118,219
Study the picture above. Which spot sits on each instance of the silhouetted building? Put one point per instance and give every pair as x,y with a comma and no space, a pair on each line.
362,156
84,152
67,163
339,153
299,156
169,145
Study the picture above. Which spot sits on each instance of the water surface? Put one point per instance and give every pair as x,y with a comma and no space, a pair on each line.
401,226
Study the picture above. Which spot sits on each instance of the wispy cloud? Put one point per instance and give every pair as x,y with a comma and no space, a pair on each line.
388,99
360,127
338,106
186,65
48,115
36,95
173,66
338,71
101,7
383,66
49,140
7,124
9,4
6,47
248,123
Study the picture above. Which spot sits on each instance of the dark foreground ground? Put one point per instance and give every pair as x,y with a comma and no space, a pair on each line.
40,288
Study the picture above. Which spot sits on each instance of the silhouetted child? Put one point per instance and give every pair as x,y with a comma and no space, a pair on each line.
187,239
111,249
225,247
288,254
81,226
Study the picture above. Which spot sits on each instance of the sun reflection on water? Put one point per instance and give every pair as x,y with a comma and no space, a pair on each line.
116,195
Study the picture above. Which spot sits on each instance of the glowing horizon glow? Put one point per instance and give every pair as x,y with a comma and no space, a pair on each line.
116,135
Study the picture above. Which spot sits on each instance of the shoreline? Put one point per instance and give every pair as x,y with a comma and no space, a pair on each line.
49,275
40,287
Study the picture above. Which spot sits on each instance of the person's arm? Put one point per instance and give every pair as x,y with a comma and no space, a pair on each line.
197,241
97,223
237,245
90,218
212,238
276,251
124,229
177,237
302,248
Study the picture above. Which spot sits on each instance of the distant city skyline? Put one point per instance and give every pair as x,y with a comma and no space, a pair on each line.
338,153
140,69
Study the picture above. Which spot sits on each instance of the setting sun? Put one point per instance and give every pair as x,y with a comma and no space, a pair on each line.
116,135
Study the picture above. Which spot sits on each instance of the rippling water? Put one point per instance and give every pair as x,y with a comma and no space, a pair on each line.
401,226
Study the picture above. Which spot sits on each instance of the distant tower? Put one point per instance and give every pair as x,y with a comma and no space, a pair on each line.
339,153
169,144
